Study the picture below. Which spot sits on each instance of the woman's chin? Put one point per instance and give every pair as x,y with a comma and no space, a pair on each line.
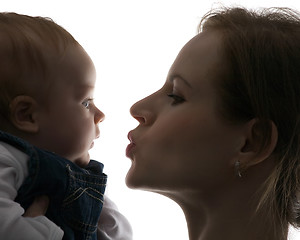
130,181
134,180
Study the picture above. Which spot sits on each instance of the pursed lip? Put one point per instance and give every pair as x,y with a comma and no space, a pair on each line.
129,136
131,146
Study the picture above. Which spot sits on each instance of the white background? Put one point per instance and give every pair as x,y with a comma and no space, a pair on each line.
132,43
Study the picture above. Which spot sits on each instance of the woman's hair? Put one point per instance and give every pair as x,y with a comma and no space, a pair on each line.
26,45
263,51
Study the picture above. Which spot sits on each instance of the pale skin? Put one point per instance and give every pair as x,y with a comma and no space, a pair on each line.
185,150
67,123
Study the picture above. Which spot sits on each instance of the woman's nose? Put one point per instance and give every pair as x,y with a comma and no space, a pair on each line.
142,112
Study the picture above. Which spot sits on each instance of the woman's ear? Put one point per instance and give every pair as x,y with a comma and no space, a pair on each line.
23,114
260,141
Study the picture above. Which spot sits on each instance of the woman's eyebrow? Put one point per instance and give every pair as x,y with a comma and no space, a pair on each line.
173,76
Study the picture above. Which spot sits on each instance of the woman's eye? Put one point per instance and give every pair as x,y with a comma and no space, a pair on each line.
86,103
176,99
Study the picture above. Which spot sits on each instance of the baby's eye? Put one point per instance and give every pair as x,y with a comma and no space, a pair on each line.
177,99
86,103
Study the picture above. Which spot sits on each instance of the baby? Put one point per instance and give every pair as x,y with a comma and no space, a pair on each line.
48,123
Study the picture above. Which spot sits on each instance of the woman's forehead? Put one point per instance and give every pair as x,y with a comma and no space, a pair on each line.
200,57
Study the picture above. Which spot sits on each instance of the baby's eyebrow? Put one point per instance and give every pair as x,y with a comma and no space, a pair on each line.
173,76
85,87
82,89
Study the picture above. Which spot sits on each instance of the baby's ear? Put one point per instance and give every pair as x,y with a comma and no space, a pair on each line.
260,142
23,114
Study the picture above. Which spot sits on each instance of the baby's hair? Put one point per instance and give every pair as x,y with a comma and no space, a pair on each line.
263,52
26,45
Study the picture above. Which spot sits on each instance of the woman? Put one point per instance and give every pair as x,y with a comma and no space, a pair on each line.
221,137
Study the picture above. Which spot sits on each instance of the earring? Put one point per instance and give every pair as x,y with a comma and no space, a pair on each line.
237,169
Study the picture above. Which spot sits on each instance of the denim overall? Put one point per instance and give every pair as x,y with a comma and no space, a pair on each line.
76,194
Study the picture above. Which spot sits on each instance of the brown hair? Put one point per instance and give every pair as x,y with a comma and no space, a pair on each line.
263,49
26,44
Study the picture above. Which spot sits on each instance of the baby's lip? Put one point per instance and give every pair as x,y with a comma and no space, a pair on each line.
97,132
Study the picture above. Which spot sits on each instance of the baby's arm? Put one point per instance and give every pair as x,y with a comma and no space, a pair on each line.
13,225
38,207
112,224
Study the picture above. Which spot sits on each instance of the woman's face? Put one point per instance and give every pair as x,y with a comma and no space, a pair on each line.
182,142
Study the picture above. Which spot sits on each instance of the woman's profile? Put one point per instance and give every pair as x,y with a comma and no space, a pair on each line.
222,136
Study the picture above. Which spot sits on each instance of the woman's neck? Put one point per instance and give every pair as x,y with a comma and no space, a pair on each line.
229,212
225,220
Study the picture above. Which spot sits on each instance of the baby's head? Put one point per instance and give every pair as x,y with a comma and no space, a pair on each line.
25,45
46,84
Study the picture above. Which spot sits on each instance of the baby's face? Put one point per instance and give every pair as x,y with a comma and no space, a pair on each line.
69,125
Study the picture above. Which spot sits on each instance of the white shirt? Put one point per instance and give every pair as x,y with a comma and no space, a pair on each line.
13,171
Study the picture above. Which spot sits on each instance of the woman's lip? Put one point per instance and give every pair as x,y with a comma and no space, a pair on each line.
129,150
131,145
129,136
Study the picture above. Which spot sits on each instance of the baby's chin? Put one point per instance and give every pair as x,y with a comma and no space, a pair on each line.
82,161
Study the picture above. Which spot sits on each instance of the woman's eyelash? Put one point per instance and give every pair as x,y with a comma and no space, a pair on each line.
176,99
